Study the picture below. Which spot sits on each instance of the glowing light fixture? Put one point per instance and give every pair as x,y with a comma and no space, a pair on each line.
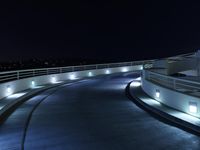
193,107
107,71
72,76
53,79
33,83
124,69
157,93
141,68
9,90
90,74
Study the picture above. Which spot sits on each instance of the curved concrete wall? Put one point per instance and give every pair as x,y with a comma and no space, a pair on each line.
171,98
22,84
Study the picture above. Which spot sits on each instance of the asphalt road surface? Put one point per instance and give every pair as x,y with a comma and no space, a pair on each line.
92,114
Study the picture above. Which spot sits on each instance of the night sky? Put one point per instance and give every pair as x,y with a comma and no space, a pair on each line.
112,30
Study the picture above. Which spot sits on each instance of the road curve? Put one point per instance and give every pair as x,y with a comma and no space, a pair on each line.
93,114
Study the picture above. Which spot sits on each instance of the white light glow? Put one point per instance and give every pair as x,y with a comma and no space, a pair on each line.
107,71
138,79
193,107
157,93
72,76
124,69
151,102
90,74
141,68
17,95
186,117
53,79
9,90
37,87
33,83
135,83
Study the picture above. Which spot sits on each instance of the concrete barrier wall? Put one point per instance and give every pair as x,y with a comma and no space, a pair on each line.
23,84
171,98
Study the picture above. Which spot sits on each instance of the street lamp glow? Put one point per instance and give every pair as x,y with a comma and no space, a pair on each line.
157,93
193,107
107,71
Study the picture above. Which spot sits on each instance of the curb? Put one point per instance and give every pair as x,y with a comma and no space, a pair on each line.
165,117
12,106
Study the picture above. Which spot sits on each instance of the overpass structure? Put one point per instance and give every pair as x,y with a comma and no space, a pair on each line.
104,106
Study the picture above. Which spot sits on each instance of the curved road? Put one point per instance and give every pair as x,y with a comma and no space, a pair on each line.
93,114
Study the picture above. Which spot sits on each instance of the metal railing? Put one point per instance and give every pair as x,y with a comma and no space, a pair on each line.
20,74
174,83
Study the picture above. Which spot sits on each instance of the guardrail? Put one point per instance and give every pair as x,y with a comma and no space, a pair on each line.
20,74
172,82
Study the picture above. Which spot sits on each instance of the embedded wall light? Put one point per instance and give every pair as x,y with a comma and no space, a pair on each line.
107,71
193,107
157,93
90,74
124,69
9,90
72,76
33,83
53,79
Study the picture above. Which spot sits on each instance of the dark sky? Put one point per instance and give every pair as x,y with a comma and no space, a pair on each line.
98,29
